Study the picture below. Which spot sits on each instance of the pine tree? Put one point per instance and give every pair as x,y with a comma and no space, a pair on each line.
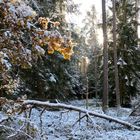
115,56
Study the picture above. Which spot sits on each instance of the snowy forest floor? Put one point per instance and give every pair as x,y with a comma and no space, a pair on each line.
56,125
61,125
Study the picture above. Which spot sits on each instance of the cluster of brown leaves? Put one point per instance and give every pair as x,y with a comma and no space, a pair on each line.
8,84
12,107
23,42
9,107
11,38
24,38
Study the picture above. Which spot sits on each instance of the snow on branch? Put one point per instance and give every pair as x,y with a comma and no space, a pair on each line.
70,107
3,119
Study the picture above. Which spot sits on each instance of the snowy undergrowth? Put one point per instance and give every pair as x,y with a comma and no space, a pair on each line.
61,125
17,127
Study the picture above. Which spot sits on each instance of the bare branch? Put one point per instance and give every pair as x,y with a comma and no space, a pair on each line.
91,113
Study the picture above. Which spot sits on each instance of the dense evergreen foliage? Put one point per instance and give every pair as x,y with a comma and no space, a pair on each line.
128,52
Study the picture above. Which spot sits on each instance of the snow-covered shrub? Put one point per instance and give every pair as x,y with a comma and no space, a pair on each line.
23,43
135,106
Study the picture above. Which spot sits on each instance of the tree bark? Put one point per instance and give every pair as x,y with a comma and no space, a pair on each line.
105,58
70,107
137,20
115,57
96,73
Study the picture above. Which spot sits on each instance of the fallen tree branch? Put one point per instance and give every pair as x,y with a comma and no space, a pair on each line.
70,107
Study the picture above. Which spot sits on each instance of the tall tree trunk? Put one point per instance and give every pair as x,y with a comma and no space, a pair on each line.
115,57
137,21
105,58
122,44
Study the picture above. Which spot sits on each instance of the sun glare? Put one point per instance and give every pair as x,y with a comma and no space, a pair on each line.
85,5
100,37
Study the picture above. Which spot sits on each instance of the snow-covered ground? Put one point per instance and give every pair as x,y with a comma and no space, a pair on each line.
63,125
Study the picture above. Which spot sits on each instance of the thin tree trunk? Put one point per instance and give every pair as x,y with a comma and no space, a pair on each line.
87,98
105,59
96,74
115,57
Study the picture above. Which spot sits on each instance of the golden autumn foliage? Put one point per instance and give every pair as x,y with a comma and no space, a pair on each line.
43,22
25,38
22,41
54,40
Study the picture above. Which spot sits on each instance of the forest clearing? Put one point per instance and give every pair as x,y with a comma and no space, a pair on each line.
69,70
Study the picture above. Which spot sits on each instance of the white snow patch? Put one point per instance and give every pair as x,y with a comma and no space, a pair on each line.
47,33
121,62
6,63
52,78
40,50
